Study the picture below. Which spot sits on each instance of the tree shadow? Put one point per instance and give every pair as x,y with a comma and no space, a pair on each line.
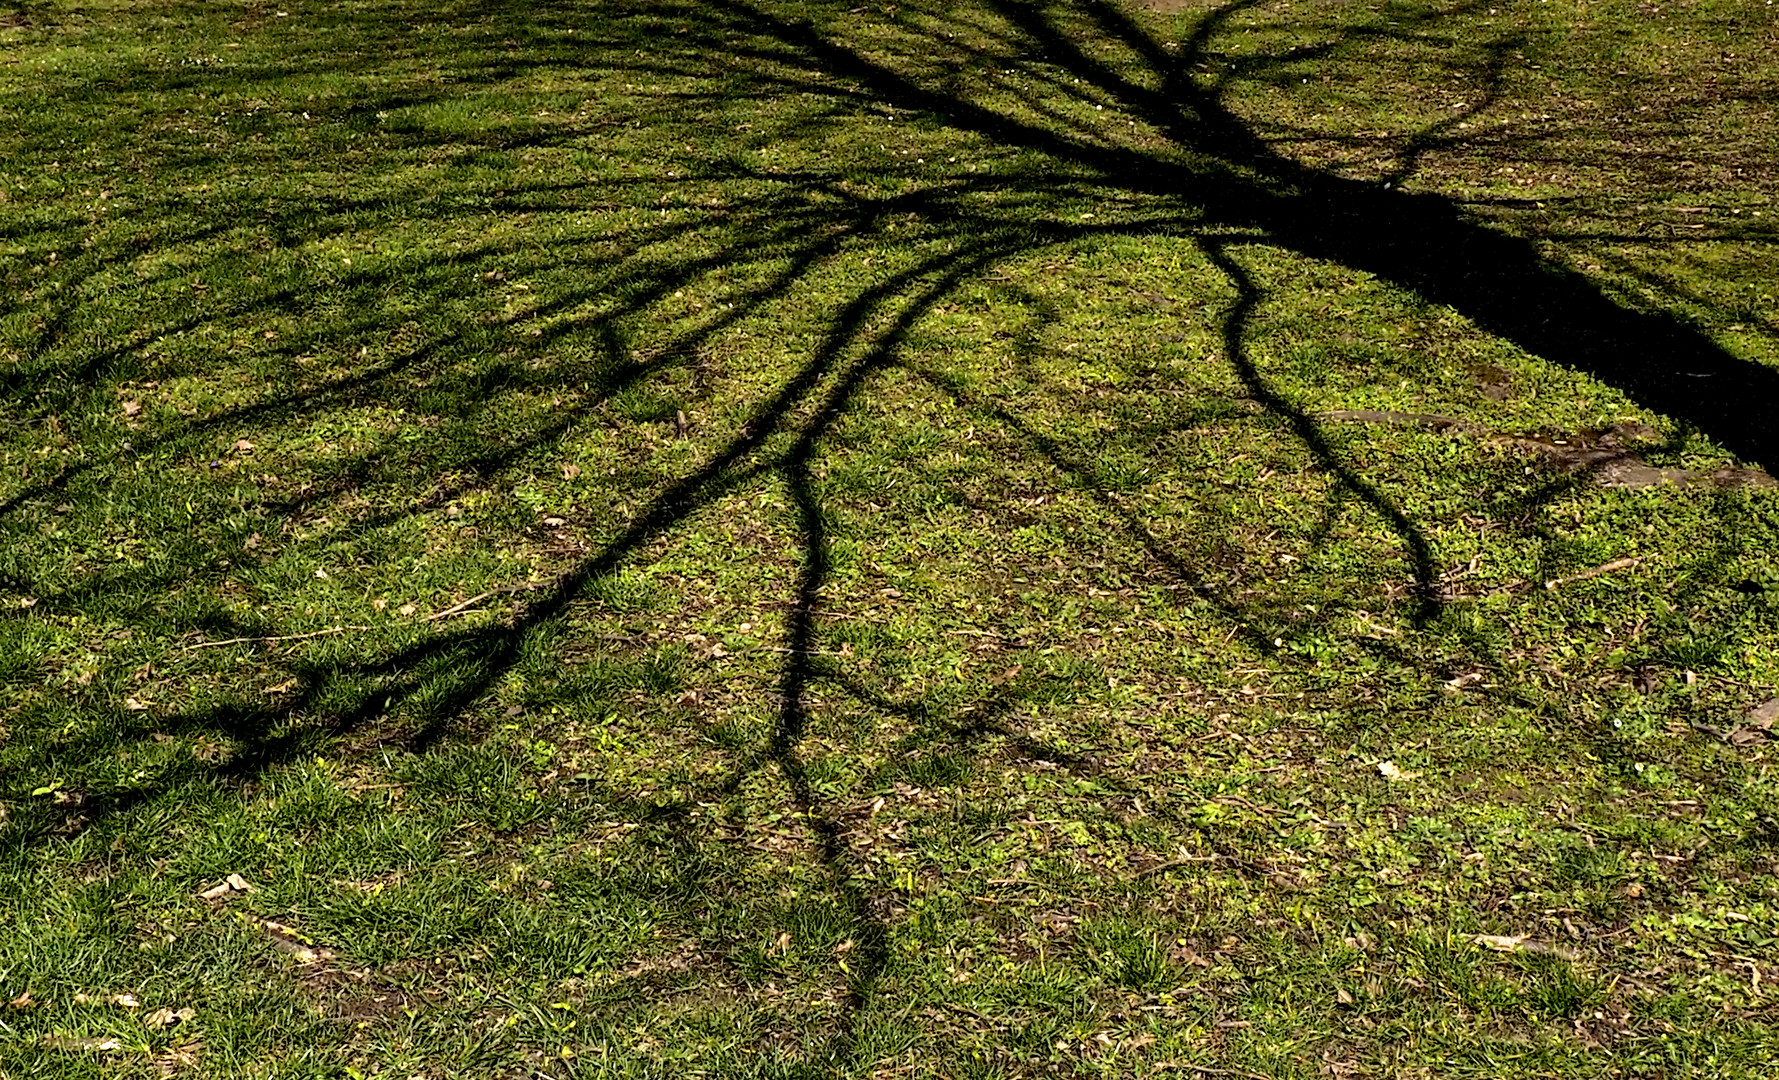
1197,173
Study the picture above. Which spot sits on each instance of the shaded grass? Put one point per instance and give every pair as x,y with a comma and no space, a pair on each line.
900,607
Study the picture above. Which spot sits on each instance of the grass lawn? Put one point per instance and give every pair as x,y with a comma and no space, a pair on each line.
768,538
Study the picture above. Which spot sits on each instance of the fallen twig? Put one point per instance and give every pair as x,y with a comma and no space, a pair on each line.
1603,568
967,1011
1173,864
458,609
455,609
1406,419
1511,943
273,640
1206,1070
1608,457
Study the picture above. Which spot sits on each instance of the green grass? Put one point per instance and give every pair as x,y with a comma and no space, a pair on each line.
791,540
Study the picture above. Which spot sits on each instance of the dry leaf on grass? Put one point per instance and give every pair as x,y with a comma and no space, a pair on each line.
165,1017
1390,771
1498,942
1757,726
230,885
174,1059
